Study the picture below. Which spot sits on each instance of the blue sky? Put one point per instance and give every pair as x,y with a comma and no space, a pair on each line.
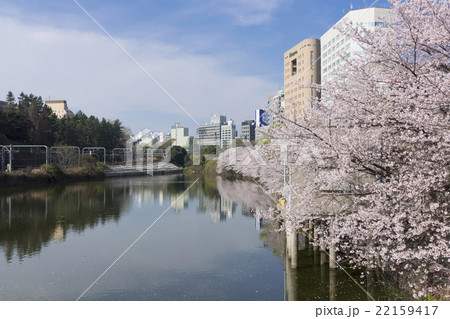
213,56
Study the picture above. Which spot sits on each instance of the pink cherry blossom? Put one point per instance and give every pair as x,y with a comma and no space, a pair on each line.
370,158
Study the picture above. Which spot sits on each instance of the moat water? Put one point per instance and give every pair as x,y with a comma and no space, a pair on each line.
199,241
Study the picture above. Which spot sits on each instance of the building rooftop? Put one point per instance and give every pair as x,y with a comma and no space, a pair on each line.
56,101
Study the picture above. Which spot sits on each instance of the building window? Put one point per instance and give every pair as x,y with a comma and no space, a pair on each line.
311,57
294,67
312,81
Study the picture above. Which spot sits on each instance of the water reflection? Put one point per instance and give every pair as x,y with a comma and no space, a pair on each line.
57,239
213,203
248,194
309,277
32,217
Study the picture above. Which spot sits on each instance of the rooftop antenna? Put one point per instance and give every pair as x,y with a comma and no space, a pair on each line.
351,6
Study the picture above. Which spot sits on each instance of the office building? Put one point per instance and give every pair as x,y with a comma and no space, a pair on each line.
301,68
261,119
335,46
180,135
227,134
218,119
59,107
275,102
248,130
209,134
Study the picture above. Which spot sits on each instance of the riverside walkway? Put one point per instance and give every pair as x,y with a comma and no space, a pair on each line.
161,168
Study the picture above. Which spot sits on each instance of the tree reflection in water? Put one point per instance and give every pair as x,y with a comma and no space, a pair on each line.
246,193
32,217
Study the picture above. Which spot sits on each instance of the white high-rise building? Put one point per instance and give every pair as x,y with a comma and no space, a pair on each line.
181,136
227,134
335,45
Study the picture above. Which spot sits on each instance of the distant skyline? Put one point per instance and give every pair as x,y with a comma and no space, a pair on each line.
213,56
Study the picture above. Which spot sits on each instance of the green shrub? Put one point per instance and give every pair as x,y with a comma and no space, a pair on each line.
55,173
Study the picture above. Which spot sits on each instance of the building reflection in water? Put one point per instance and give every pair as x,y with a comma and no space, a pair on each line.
32,217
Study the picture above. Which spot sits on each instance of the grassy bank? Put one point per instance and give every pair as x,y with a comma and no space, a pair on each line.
52,174
208,168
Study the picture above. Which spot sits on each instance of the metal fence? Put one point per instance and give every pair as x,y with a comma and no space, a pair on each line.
65,156
5,157
24,156
15,157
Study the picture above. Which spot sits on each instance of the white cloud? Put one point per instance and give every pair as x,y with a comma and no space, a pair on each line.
91,72
251,12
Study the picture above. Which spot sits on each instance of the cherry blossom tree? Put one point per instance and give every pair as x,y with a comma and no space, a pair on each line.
371,157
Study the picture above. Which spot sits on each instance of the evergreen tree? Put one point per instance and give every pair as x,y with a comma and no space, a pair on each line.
30,121
178,155
11,99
